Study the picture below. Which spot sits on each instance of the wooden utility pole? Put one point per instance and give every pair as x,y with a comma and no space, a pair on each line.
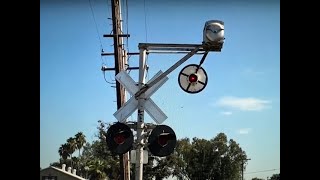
119,59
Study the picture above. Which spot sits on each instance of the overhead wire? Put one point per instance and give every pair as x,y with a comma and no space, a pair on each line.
104,76
126,20
145,20
101,47
127,31
262,171
94,19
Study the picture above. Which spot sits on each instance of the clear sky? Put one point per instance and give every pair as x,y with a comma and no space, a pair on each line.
242,97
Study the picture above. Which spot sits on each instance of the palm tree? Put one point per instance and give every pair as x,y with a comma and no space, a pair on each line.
72,146
63,151
80,140
97,169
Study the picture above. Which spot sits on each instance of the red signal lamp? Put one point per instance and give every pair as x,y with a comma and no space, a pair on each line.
193,78
163,139
119,138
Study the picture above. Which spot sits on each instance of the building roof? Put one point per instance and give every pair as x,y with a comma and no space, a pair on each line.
65,172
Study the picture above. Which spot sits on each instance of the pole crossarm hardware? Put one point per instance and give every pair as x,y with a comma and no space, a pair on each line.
173,47
112,54
116,35
179,48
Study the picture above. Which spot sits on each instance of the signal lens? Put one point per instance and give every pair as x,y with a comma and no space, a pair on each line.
119,138
163,140
193,78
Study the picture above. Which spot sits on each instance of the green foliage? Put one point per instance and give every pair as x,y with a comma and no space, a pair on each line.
217,158
64,151
56,164
99,158
67,149
97,169
275,177
80,140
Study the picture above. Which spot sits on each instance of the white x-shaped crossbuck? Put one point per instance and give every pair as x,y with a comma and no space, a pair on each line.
132,104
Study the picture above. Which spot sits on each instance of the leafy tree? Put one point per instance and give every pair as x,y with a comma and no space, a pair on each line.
235,157
161,167
181,158
56,164
84,159
275,177
111,162
97,169
157,168
217,158
99,150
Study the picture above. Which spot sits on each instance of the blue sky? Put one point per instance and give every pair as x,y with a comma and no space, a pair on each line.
241,99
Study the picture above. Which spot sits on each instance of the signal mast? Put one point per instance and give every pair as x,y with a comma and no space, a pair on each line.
158,139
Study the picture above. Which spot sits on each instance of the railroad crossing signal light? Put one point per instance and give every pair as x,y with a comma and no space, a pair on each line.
192,79
119,138
213,35
162,141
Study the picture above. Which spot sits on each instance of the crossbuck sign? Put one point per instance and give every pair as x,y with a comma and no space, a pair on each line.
132,104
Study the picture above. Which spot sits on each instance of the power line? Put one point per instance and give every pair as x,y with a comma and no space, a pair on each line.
104,76
262,171
101,47
126,12
94,19
145,20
